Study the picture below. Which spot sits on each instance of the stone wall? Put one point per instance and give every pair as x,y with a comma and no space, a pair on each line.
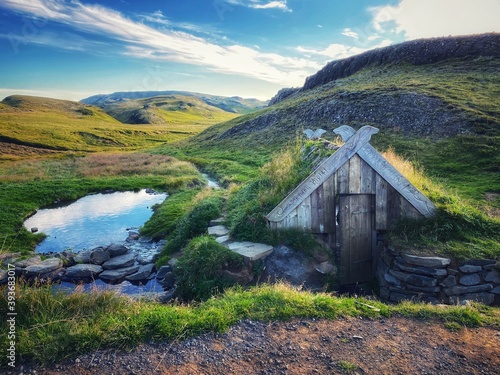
437,280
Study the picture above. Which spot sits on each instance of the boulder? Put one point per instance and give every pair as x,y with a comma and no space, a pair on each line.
242,277
132,236
121,261
449,281
431,262
142,273
116,250
113,275
168,281
326,268
486,298
42,268
28,262
99,255
83,257
413,279
83,271
160,274
218,231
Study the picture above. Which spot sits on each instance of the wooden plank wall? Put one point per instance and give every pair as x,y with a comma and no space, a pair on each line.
317,212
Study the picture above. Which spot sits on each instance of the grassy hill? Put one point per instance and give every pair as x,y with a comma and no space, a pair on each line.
167,110
32,126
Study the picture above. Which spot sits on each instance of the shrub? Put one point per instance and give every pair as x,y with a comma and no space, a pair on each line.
194,222
199,269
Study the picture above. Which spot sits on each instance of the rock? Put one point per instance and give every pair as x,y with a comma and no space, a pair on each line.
142,273
481,262
160,274
427,290
116,250
222,239
426,271
99,255
168,281
4,276
417,280
44,267
251,251
496,290
113,275
470,279
218,231
242,277
326,268
34,230
431,262
493,277
28,262
456,290
166,296
391,279
449,281
121,261
469,268
486,298
83,271
83,257
144,259
132,236
219,221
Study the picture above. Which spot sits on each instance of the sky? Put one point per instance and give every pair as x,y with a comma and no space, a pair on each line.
72,49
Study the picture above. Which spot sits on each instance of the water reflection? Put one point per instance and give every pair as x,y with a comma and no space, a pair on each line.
94,220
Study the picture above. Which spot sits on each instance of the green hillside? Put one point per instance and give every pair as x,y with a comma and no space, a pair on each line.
34,125
168,110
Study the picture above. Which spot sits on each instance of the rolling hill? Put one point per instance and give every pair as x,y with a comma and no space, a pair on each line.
167,109
32,126
233,104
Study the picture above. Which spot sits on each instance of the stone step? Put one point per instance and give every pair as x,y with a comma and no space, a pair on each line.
218,231
249,250
218,221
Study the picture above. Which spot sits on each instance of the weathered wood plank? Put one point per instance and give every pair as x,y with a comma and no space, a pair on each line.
329,211
367,178
304,214
394,206
391,174
325,169
317,209
343,178
380,203
354,175
291,220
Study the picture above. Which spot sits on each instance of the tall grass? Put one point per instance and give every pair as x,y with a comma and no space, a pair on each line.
51,326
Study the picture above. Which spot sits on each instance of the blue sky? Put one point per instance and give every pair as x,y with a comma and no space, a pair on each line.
71,49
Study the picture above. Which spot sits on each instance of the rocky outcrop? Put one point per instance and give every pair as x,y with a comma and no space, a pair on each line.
415,52
283,94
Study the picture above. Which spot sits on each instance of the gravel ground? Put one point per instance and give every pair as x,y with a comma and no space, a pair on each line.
345,346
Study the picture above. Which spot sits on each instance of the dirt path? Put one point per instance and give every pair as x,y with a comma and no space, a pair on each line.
355,346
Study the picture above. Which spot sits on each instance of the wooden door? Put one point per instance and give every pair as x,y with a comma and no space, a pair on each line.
356,224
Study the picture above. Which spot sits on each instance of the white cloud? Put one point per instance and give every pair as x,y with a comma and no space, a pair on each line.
261,4
338,51
350,33
434,18
146,42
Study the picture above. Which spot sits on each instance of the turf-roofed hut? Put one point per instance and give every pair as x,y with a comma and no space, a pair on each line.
349,201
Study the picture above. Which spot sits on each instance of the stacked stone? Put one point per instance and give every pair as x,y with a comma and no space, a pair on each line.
437,280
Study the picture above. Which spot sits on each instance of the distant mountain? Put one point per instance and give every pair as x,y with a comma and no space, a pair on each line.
232,104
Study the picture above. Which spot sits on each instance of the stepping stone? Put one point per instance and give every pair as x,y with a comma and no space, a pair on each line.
222,239
120,261
218,221
250,250
115,250
117,274
83,271
218,231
